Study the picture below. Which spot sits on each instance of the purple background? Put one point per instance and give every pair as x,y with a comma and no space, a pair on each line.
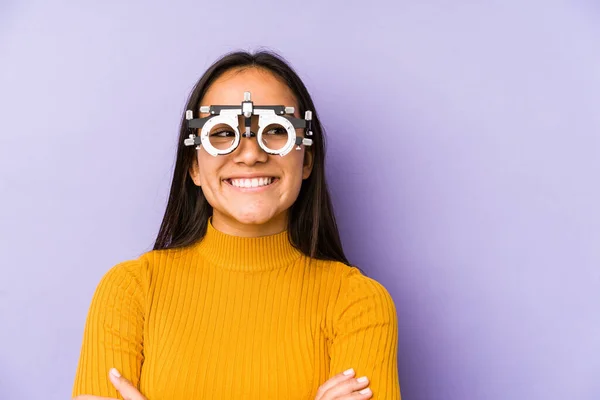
464,162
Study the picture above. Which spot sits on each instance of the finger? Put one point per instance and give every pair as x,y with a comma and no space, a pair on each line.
127,390
360,395
333,381
346,388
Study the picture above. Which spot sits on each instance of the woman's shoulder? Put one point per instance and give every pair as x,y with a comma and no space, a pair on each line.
353,280
360,294
141,270
125,274
357,282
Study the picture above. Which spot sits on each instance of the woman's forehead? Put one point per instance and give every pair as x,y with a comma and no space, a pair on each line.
265,88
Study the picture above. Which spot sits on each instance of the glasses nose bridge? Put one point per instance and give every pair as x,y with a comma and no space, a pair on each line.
254,125
244,134
249,151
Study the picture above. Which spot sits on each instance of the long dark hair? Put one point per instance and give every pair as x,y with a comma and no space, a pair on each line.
312,228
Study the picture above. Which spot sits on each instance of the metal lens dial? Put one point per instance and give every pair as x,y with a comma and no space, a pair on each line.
221,136
274,137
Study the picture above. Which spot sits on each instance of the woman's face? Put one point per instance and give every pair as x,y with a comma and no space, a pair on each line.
261,210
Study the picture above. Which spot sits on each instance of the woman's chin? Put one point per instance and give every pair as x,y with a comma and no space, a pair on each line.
259,219
254,216
253,219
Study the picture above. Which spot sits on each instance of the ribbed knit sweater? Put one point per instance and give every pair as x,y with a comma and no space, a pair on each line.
237,318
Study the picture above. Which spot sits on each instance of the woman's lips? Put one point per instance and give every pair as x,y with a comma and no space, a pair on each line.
257,184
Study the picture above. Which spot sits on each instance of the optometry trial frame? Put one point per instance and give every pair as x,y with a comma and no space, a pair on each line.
225,118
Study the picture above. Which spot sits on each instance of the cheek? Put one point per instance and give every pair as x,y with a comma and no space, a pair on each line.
294,172
208,171
296,160
206,166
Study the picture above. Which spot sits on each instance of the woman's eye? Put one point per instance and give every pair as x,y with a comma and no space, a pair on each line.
277,131
223,133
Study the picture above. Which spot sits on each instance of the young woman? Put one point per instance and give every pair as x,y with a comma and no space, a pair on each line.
247,293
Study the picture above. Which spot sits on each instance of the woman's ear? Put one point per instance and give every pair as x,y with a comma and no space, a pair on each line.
194,172
307,164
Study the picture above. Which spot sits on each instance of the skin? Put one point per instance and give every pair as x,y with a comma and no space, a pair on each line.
250,214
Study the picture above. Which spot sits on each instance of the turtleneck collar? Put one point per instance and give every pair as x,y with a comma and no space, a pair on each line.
248,254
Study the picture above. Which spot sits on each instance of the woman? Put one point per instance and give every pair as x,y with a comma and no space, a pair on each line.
247,293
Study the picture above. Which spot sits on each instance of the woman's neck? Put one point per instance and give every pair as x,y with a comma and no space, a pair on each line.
249,254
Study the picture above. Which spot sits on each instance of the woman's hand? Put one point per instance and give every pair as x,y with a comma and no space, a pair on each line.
344,387
125,388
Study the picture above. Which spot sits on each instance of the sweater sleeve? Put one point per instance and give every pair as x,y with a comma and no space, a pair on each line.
113,335
365,334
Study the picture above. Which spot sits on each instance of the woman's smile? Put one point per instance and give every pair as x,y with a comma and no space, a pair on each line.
253,185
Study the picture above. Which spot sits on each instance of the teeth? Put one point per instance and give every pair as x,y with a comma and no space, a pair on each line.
250,183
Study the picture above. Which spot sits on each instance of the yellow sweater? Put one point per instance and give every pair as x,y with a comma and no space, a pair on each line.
237,318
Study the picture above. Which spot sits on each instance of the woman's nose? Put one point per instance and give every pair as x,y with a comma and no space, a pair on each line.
248,151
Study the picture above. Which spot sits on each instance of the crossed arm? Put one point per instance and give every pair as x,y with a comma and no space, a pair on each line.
364,338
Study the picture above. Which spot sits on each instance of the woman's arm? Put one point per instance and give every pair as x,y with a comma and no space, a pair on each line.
123,386
365,330
113,335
